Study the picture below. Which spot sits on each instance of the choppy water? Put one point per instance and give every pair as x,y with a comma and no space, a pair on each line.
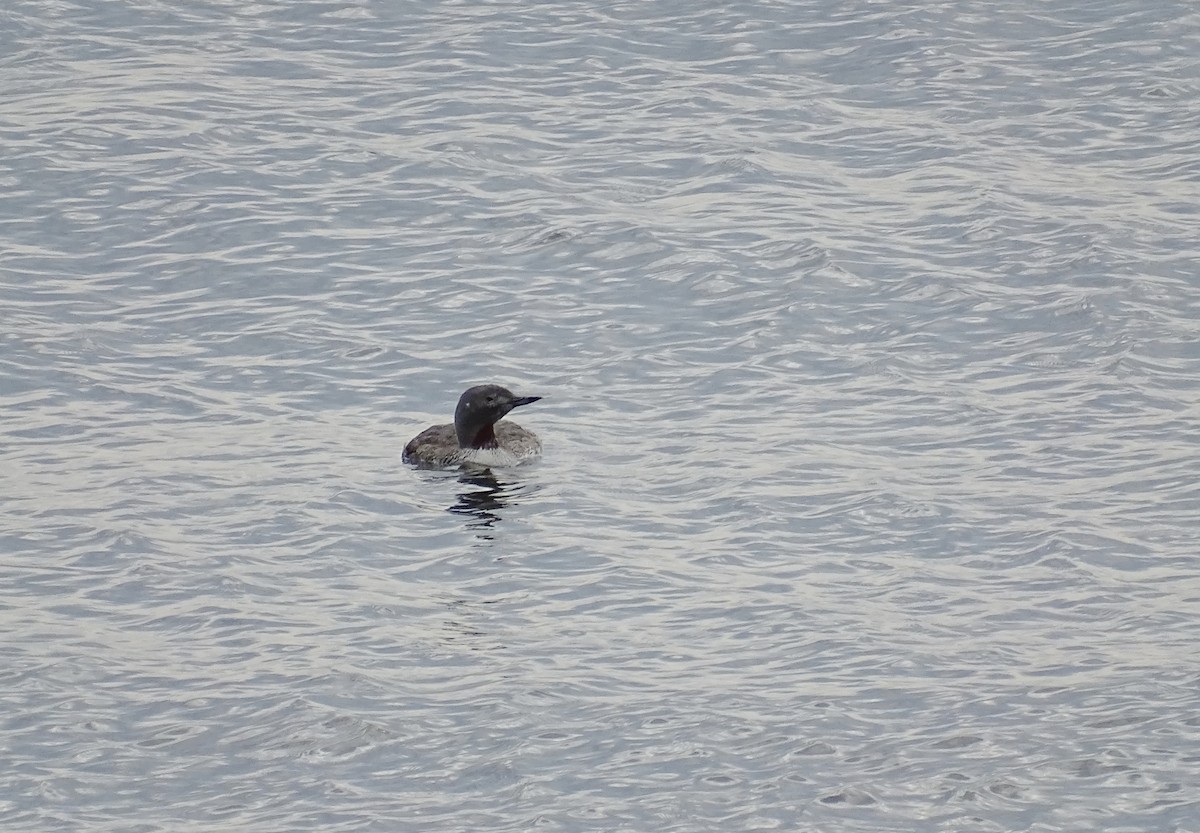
869,336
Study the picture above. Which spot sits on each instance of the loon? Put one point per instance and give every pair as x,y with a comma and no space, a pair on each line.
475,437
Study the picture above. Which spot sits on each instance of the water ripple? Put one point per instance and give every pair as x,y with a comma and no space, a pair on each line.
867,337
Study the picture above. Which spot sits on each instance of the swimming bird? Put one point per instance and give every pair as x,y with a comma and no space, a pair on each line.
477,436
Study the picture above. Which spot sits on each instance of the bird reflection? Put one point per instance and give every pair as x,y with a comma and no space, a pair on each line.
484,500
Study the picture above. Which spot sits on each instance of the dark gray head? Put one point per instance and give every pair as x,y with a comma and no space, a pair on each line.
479,408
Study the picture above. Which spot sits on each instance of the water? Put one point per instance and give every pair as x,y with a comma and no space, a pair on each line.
868,336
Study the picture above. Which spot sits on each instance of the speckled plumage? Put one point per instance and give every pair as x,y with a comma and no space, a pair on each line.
437,447
476,436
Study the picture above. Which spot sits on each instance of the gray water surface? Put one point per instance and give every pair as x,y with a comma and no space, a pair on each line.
869,336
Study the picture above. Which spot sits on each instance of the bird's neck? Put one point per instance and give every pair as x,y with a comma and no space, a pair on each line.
485,437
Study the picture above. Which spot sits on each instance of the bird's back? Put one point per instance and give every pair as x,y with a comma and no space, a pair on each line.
438,446
517,441
435,446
